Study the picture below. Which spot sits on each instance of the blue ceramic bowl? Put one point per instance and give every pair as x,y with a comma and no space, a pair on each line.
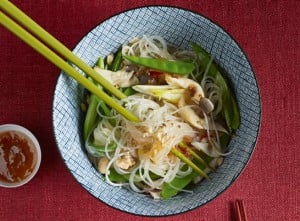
179,27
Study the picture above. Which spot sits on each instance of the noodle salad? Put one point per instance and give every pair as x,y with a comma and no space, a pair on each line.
187,113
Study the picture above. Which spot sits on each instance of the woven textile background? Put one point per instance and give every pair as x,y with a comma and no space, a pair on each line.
268,32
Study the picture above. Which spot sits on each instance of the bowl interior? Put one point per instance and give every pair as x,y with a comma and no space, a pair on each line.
179,27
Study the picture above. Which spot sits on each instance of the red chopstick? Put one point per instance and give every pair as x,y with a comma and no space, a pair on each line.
240,210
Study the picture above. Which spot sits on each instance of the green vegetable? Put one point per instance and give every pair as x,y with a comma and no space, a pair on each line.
104,108
178,183
165,92
175,67
224,139
195,155
91,115
100,62
94,104
106,111
100,150
114,176
129,91
230,109
117,61
182,157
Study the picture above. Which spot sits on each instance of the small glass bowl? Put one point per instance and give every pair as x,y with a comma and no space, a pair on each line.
36,149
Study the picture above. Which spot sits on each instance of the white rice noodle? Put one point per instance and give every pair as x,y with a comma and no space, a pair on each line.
109,165
132,178
214,94
152,46
150,140
206,71
183,173
102,133
181,190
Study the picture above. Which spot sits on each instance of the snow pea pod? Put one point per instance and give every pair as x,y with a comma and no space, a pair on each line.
169,66
230,109
114,176
115,66
178,183
91,115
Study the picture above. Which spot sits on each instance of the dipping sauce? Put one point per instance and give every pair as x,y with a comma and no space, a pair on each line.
18,156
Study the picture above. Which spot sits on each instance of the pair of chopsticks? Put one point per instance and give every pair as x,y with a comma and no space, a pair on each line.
13,19
240,210
47,46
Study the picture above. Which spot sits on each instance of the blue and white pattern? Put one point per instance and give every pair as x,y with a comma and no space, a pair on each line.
179,27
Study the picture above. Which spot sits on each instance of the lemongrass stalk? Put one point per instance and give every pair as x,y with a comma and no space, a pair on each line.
195,155
182,157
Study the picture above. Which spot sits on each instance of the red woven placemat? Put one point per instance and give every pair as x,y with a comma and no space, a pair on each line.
268,31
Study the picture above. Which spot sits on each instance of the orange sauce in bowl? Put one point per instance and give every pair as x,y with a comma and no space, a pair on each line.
17,156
